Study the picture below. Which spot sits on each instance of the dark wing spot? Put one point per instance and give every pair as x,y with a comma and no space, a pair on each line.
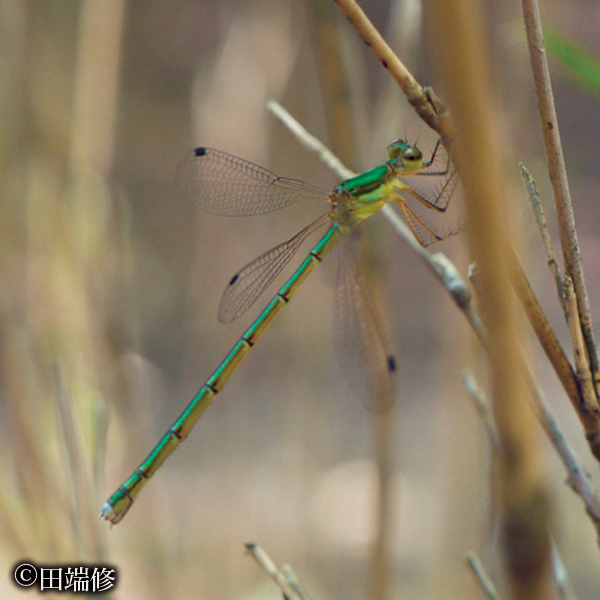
200,151
391,363
384,63
234,279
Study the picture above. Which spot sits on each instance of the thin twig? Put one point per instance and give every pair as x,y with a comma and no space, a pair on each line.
589,405
309,141
558,176
484,580
577,475
582,366
294,581
540,219
424,100
290,589
544,332
482,405
582,398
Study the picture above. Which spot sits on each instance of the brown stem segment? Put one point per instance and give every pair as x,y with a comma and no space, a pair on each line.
558,176
582,398
424,100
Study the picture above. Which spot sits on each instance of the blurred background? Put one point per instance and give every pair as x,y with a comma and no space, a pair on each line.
110,286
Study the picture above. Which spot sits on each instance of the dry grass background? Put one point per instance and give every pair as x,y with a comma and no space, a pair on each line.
110,287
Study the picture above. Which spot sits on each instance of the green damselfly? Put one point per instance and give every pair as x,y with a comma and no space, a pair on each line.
222,184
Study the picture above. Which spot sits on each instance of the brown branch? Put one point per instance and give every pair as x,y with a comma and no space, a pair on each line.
582,398
540,219
582,366
424,100
558,176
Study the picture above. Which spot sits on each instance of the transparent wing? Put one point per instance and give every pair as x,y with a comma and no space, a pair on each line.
366,361
223,184
248,284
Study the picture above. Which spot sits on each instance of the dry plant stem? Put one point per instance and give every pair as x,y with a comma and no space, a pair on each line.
577,475
443,269
544,332
411,88
445,128
458,40
309,141
294,581
590,408
540,219
558,176
290,589
482,406
484,580
582,396
426,103
582,366
459,291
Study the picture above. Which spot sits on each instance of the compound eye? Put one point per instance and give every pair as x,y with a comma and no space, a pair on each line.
396,149
411,154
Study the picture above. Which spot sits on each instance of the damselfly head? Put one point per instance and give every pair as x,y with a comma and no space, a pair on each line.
410,156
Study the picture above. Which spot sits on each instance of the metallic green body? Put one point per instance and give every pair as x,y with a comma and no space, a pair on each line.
365,182
118,504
